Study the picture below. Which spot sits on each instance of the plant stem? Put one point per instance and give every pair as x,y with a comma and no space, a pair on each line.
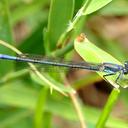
75,104
13,75
73,23
78,110
39,112
63,51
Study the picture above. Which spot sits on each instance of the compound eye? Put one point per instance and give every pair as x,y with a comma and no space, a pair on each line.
126,63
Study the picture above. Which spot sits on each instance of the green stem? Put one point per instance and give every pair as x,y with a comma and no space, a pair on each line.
63,51
40,107
108,108
73,23
14,75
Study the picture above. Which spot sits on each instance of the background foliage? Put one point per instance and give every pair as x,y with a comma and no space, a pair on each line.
49,28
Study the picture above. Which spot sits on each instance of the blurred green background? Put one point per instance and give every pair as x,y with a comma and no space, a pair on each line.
36,27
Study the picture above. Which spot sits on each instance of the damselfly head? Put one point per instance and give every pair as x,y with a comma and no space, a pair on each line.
126,67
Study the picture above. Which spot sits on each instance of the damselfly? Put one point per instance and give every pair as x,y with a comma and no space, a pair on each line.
108,68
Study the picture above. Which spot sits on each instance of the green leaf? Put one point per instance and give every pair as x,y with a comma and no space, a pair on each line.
24,10
116,7
53,84
95,5
108,108
5,27
29,45
91,53
61,12
90,78
12,118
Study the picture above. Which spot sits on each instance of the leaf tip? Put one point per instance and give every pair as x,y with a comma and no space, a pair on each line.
81,37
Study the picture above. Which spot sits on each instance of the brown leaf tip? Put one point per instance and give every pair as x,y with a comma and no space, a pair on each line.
81,37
